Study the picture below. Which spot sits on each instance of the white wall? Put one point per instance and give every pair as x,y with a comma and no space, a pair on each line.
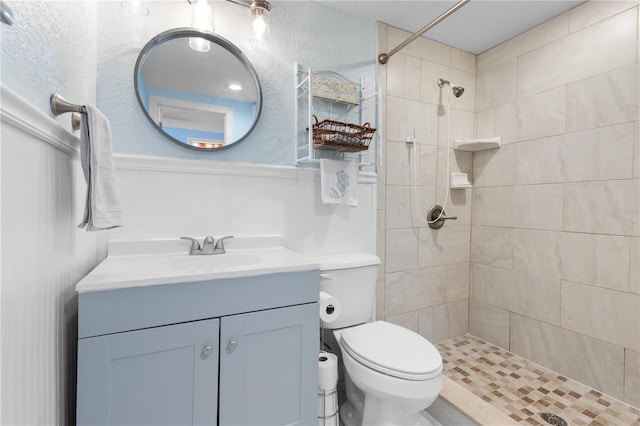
50,48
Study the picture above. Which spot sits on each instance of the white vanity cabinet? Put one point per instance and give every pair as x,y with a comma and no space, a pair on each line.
234,351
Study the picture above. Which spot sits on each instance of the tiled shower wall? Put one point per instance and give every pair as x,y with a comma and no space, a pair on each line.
556,210
423,281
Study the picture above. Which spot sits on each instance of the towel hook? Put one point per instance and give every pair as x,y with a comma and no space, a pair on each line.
60,105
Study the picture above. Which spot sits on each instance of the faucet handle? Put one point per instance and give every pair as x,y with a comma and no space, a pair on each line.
220,242
195,245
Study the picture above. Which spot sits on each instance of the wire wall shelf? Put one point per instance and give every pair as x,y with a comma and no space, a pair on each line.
336,118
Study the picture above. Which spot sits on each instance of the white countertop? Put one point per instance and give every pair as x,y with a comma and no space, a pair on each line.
155,262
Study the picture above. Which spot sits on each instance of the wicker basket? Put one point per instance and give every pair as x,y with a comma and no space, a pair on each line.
339,136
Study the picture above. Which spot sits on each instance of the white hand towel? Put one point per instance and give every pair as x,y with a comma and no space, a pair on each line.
102,209
339,182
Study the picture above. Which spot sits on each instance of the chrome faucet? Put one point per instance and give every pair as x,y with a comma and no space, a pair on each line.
209,245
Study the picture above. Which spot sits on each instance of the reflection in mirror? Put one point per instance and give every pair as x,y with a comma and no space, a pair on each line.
203,100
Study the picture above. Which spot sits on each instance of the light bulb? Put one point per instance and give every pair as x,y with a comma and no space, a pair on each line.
202,19
259,36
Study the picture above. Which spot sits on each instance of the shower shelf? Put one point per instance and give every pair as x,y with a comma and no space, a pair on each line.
477,144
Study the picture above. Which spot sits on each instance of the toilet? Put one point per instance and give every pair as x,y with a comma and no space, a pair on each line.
391,373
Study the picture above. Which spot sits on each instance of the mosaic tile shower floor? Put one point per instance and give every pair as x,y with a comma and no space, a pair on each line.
523,390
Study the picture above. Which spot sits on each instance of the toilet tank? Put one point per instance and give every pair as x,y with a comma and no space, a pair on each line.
350,278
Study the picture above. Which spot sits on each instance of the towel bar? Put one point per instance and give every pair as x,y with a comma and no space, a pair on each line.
60,105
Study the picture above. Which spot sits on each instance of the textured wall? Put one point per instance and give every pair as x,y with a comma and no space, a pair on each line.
424,279
306,32
51,47
556,210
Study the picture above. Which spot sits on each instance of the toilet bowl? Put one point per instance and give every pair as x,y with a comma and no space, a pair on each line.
398,371
391,373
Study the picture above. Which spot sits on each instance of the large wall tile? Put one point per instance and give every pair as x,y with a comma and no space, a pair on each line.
537,116
458,281
537,207
381,241
402,250
432,93
416,289
607,315
427,166
592,12
489,323
459,205
604,100
444,322
586,258
580,55
541,35
632,378
530,295
493,206
403,77
422,47
444,246
600,154
497,85
587,360
463,61
398,163
610,207
634,262
492,246
380,311
408,320
459,124
495,167
411,118
398,212
637,148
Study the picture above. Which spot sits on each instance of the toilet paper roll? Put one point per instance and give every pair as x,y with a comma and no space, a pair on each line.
330,307
327,371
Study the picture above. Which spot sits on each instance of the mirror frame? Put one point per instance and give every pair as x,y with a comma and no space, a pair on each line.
213,38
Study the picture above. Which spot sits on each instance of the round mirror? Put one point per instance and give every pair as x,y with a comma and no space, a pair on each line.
198,89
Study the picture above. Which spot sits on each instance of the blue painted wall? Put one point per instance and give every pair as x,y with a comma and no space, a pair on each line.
305,32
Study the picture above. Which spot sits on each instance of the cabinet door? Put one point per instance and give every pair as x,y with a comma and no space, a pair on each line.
269,367
159,376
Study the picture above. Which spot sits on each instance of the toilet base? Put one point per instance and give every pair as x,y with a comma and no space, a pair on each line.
386,417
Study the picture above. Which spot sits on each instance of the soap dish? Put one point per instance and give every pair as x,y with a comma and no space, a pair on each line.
459,181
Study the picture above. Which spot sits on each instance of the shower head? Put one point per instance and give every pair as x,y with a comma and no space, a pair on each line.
457,90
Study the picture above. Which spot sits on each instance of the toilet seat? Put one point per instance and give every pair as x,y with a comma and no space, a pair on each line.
392,350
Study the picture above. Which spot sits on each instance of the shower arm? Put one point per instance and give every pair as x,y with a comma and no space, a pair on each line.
383,58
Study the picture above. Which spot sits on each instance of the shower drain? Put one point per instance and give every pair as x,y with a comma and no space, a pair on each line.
553,419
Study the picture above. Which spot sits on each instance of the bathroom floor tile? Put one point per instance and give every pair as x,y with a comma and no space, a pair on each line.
523,390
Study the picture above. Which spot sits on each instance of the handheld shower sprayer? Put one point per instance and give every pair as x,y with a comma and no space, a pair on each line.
457,90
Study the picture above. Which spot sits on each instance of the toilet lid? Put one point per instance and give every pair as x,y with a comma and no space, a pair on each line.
393,350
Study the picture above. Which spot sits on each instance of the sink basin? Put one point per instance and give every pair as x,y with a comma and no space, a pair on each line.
155,262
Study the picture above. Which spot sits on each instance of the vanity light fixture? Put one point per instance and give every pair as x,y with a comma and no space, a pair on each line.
260,33
134,7
235,87
202,19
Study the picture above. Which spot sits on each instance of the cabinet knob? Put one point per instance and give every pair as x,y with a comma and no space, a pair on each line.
206,351
232,345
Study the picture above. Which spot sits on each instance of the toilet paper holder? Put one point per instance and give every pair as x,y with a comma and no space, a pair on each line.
328,416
